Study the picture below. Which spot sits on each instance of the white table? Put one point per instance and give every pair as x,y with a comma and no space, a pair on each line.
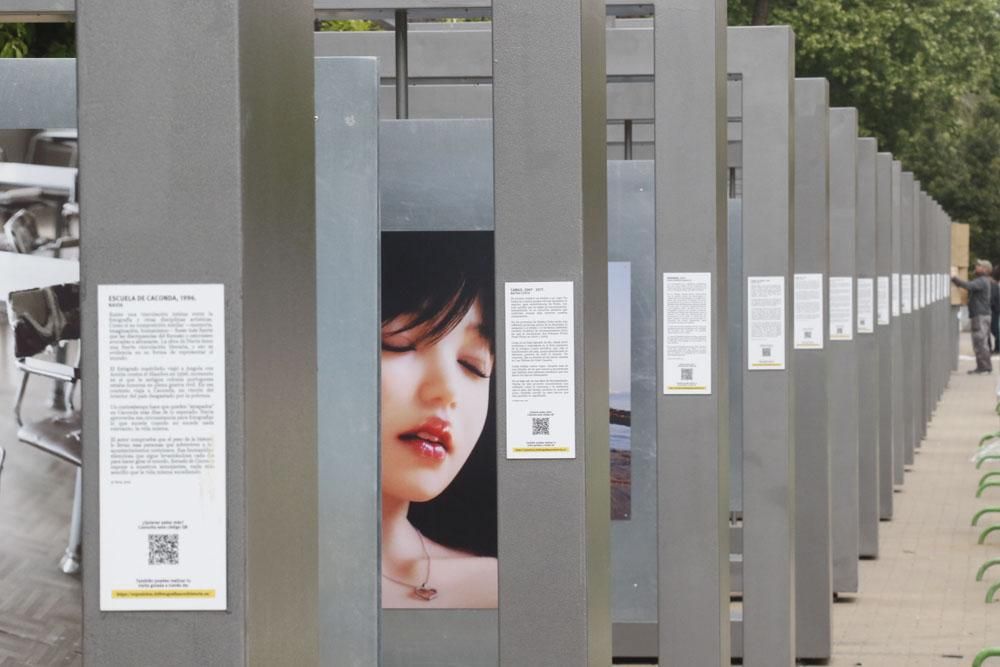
57,181
21,272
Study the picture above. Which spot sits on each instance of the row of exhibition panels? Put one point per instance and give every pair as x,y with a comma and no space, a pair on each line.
836,334
871,336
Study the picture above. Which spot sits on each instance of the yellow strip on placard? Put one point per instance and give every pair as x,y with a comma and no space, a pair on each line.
541,449
686,388
164,593
768,363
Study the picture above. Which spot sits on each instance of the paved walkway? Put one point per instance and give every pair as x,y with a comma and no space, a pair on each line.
920,605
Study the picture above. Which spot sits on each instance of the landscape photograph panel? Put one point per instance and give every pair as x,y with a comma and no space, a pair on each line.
620,384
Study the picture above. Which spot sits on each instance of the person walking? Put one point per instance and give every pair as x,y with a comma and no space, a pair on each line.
995,310
979,289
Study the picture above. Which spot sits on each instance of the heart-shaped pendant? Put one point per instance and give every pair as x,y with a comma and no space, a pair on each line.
424,593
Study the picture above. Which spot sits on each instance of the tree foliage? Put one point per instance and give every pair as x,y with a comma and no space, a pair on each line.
925,77
37,40
354,25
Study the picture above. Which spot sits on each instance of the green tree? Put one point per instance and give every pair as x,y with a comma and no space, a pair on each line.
925,77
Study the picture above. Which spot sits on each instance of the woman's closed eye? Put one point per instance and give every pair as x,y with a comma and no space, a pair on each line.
478,367
398,346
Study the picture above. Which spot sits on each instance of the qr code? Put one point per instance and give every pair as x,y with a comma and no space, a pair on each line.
163,549
539,426
840,331
687,373
765,352
809,334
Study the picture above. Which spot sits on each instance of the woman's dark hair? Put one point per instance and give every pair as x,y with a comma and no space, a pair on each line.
435,277
996,272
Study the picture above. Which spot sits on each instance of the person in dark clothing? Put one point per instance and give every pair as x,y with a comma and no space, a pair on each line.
995,310
979,289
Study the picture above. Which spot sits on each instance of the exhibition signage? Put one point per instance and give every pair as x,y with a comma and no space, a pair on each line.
541,398
162,447
687,339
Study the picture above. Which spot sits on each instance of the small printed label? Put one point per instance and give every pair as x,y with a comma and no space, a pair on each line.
906,296
808,311
162,447
866,305
883,300
541,391
841,308
687,333
895,295
765,323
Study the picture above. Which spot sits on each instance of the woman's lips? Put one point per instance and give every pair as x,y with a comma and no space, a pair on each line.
431,439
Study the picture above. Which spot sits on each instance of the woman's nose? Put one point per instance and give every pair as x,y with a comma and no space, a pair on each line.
440,381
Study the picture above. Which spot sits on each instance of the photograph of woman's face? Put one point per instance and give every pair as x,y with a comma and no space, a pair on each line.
438,435
435,395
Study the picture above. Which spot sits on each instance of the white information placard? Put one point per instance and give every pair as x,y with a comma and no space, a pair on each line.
895,295
866,305
883,300
541,389
765,322
162,447
906,295
687,333
841,308
808,311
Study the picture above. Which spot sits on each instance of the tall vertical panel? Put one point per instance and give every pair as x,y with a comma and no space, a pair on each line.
347,298
924,390
906,311
692,431
867,350
204,211
550,193
917,348
765,58
883,329
843,379
898,383
811,263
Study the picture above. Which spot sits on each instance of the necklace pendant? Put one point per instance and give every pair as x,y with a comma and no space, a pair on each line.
424,593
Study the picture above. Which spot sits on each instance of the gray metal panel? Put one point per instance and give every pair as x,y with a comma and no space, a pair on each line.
692,431
906,319
734,348
926,268
438,638
632,238
37,93
919,319
436,175
765,58
440,52
444,8
813,568
868,359
633,101
898,383
12,11
205,211
883,261
843,378
347,298
550,181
